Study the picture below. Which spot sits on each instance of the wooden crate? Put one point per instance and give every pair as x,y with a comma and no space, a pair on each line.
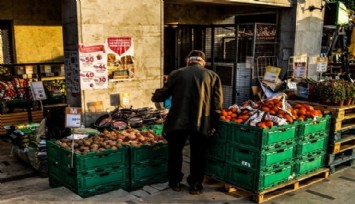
18,118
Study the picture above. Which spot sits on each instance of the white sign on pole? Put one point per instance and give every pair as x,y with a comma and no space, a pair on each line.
72,117
38,91
322,64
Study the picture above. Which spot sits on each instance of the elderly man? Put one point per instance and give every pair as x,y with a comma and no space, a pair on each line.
195,108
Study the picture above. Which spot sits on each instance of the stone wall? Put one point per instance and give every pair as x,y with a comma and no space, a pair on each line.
37,29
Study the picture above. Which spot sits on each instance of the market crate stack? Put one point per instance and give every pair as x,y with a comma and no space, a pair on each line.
312,144
148,165
216,152
257,158
90,174
250,157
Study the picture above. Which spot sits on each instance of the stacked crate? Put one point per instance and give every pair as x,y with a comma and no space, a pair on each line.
257,158
254,159
341,138
312,144
216,152
90,174
148,165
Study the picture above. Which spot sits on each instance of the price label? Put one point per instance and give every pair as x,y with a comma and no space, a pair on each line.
73,117
292,85
322,64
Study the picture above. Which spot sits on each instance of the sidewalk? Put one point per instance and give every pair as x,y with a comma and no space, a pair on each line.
338,188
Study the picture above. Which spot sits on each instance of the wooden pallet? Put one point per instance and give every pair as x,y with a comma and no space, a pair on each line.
341,135
18,118
340,157
284,188
338,166
343,145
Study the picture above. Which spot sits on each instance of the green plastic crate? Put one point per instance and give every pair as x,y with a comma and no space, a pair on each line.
148,153
258,138
250,159
309,162
257,181
93,182
311,126
312,144
90,161
215,168
156,128
223,131
148,173
216,149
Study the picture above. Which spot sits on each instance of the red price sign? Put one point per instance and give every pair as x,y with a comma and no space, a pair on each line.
90,74
100,79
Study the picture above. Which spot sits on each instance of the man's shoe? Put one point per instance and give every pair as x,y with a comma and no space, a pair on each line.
175,187
196,189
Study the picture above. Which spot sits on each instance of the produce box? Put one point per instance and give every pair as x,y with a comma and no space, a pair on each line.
311,126
223,131
92,182
314,142
215,168
156,128
216,149
256,181
247,158
147,153
309,162
258,138
150,172
90,161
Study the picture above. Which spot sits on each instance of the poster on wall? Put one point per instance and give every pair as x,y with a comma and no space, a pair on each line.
93,70
120,58
300,66
71,66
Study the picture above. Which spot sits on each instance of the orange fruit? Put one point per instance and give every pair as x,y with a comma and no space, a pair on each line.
265,108
234,110
269,123
222,117
238,121
262,125
234,115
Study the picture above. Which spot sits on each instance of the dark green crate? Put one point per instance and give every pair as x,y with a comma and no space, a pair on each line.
215,168
223,131
148,173
258,138
146,153
309,163
311,126
257,181
90,161
216,149
92,182
312,144
250,159
54,181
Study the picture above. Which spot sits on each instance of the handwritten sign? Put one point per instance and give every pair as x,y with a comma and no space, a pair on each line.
72,117
38,91
322,64
93,70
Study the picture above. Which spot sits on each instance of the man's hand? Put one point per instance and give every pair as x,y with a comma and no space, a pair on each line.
212,132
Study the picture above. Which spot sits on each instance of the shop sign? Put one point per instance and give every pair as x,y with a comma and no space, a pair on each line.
72,117
93,69
322,64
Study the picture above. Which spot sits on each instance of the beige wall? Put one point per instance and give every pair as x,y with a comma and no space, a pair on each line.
141,20
308,34
37,28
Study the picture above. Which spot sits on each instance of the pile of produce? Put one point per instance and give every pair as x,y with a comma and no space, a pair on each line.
112,140
120,119
268,113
